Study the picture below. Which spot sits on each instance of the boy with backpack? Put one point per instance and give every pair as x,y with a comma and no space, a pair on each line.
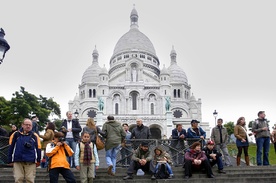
86,158
161,162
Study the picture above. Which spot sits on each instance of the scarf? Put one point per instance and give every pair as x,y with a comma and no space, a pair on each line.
87,154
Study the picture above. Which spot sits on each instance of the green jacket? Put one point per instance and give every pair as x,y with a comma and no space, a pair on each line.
115,134
140,154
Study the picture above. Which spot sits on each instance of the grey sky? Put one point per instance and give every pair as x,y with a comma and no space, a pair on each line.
226,48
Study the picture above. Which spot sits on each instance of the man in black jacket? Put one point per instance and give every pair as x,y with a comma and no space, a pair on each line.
140,132
71,129
213,156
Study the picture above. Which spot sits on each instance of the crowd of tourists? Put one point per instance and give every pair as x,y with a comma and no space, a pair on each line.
71,146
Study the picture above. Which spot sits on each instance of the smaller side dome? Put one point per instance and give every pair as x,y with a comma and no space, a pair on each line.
164,71
104,70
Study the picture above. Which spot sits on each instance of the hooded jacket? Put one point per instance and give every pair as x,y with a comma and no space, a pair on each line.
162,156
114,133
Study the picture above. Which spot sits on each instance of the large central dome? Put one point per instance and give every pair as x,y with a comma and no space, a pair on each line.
134,39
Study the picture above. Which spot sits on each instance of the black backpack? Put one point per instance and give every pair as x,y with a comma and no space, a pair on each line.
162,172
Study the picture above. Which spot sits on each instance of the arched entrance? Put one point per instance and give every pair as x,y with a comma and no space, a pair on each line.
155,131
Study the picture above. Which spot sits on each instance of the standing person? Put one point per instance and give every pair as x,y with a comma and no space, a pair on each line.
24,153
240,133
92,129
140,132
261,129
141,159
273,137
126,150
195,159
196,132
47,138
58,164
13,129
115,135
178,136
35,124
71,129
213,156
86,158
220,136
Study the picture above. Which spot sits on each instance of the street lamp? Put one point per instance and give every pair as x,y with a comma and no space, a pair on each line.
215,114
4,46
76,113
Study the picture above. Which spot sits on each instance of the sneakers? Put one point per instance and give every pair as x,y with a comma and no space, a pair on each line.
171,176
128,177
211,176
221,171
109,170
153,177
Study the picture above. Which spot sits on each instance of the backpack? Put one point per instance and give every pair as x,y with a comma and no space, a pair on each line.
162,172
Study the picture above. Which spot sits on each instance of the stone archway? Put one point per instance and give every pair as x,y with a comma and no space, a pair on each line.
156,132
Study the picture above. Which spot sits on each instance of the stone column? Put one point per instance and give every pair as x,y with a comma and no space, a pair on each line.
169,123
99,119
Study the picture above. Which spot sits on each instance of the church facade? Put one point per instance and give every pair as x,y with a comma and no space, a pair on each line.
135,86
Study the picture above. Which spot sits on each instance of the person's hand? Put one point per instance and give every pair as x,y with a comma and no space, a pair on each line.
59,144
202,137
182,136
264,128
97,167
199,162
78,167
123,144
243,140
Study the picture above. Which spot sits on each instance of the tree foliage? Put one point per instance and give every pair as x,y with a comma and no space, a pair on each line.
230,127
23,104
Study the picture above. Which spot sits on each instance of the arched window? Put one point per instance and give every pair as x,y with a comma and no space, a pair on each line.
94,93
134,100
116,108
174,93
151,108
90,93
178,92
103,92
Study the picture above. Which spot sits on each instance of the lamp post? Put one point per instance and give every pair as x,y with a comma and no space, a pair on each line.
4,46
215,114
76,113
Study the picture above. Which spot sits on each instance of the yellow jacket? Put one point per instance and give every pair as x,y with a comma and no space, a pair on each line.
58,155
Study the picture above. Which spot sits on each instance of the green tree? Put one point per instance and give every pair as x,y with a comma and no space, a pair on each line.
230,127
23,104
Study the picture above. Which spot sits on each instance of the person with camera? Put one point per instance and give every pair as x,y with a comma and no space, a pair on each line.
58,164
71,129
24,153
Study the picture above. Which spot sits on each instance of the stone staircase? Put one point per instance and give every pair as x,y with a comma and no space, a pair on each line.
252,174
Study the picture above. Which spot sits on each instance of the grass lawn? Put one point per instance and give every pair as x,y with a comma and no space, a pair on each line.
252,153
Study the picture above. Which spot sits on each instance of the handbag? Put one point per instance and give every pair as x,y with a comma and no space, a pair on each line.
100,143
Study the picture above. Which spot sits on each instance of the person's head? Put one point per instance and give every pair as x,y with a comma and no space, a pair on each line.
210,144
27,125
51,126
110,118
139,122
179,127
69,115
196,146
144,146
14,128
219,122
261,114
194,123
85,137
58,136
158,150
125,126
34,118
241,121
90,123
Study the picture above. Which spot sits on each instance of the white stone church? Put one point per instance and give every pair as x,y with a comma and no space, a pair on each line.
135,86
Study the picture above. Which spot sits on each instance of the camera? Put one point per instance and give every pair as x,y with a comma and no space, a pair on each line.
61,139
27,144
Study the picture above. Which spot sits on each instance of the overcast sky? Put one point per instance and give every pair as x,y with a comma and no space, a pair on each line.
226,48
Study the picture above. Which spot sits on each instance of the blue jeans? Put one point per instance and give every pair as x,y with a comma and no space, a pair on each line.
169,168
72,143
218,161
263,144
110,156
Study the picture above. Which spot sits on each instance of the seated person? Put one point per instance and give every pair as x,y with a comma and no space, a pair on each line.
161,157
141,159
213,156
195,159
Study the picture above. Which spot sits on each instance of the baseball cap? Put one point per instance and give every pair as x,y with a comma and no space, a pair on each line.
210,142
194,121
